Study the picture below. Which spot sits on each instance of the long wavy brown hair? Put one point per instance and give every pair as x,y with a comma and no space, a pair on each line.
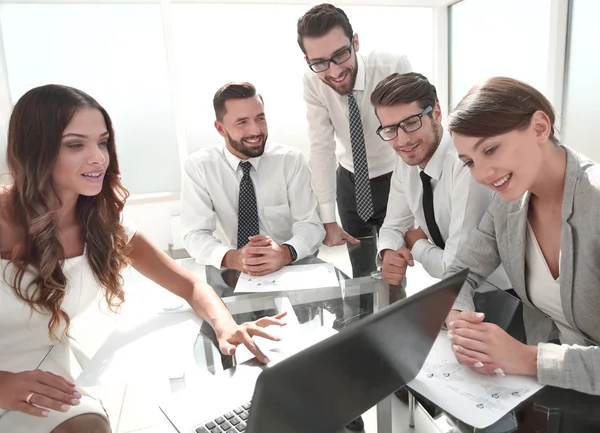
35,132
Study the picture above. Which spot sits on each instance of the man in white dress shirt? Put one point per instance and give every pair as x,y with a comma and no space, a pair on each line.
431,185
247,205
337,89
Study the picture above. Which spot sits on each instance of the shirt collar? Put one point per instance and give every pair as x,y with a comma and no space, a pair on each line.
234,161
361,75
436,164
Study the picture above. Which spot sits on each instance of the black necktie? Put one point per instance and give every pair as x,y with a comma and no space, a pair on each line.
247,209
434,230
362,185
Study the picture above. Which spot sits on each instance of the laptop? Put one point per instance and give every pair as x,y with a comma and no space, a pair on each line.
325,386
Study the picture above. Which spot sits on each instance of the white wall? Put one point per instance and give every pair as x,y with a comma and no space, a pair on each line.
153,215
114,52
581,110
5,104
499,37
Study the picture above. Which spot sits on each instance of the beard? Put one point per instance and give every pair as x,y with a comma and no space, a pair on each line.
430,150
249,151
346,88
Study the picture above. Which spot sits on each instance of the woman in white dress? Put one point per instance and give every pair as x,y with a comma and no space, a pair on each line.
62,243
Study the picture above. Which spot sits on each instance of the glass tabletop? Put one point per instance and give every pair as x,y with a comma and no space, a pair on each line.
316,313
549,410
310,309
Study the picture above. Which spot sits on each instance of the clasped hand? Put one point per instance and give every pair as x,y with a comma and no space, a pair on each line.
486,348
262,255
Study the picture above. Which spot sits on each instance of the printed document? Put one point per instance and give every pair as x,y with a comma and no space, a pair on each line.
296,277
476,399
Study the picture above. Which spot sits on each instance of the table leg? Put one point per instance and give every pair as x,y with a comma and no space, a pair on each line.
384,415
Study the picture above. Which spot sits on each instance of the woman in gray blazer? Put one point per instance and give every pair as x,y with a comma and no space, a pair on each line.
542,225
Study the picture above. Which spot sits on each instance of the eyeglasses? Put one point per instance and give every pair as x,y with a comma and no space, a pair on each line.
339,58
410,124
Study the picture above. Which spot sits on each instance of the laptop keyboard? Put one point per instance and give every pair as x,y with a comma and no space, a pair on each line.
230,422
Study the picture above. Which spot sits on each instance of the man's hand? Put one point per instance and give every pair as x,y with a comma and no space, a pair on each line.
260,259
335,235
233,258
394,264
413,235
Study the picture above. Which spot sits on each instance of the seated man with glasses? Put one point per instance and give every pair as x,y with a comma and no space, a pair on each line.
336,91
430,186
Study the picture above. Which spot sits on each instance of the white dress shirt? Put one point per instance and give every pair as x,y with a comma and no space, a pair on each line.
328,123
287,208
458,203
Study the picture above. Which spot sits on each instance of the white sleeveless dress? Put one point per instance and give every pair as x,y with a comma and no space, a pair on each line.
26,345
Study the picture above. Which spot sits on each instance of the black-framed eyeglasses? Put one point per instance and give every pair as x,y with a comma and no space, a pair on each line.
410,124
339,58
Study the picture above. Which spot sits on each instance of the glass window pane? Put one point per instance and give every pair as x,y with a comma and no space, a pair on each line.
211,51
498,37
116,54
581,109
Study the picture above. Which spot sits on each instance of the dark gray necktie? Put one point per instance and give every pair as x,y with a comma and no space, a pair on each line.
362,186
247,209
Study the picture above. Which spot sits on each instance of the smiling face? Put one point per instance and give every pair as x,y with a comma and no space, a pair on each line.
509,163
244,127
335,44
83,156
417,147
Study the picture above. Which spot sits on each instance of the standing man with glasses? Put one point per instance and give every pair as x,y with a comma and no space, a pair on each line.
431,185
337,89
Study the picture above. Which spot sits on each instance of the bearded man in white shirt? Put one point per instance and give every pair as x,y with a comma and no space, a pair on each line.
430,185
341,127
247,204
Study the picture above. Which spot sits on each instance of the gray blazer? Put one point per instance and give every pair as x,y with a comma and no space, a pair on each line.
501,238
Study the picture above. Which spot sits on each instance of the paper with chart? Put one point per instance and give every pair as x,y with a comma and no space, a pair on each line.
296,277
474,398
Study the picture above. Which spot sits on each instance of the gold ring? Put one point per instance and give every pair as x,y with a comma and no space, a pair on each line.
28,399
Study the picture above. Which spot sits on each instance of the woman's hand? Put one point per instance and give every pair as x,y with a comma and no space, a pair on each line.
231,335
27,390
487,348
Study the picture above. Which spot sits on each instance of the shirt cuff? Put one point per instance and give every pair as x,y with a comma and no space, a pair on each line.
327,212
386,245
216,258
551,363
419,248
302,250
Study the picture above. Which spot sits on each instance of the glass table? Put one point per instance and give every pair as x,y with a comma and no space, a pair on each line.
330,307
550,410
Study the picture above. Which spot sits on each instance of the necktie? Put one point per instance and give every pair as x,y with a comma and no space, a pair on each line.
362,187
434,230
247,209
